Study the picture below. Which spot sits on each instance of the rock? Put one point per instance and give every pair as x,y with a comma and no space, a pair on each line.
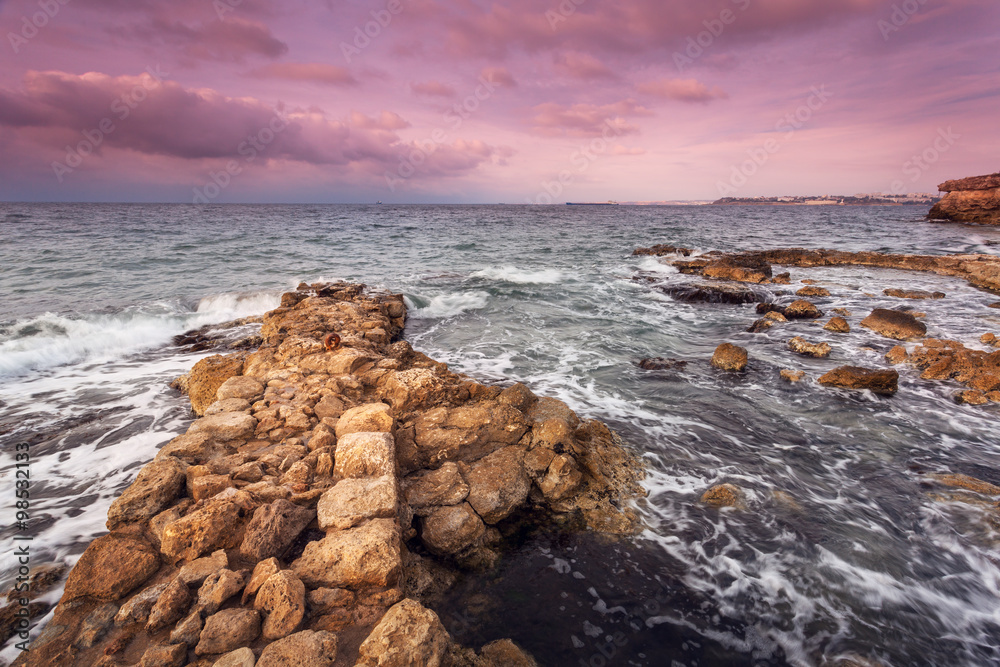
971,397
433,488
371,418
760,326
187,631
96,625
894,324
170,655
813,291
241,387
282,598
562,480
994,305
802,310
468,432
171,606
218,588
782,279
226,426
261,573
206,486
227,405
498,484
838,325
775,316
975,199
200,569
303,649
896,355
990,339
228,630
368,555
766,309
801,346
730,357
207,376
111,567
843,312
241,657
325,600
409,634
192,448
884,382
912,294
214,526
451,530
273,528
156,486
723,495
704,293
137,609
661,364
518,397
365,455
738,271
968,483
792,376
353,501
504,653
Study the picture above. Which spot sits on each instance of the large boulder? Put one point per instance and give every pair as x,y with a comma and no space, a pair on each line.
207,376
366,556
433,488
365,455
452,530
240,387
282,599
303,649
111,567
170,607
155,487
216,525
895,324
498,484
729,357
371,418
226,426
468,432
409,634
802,310
273,528
353,501
885,382
228,630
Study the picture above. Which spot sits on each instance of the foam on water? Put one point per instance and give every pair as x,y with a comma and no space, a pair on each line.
445,305
513,274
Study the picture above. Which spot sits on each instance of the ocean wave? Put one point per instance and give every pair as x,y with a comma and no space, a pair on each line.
445,305
512,274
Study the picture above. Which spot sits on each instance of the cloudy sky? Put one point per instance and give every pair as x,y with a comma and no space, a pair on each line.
510,101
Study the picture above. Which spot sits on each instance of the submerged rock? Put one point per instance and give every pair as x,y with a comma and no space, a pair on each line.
802,310
792,376
813,291
801,346
838,325
913,294
729,357
885,382
894,324
661,364
723,495
705,293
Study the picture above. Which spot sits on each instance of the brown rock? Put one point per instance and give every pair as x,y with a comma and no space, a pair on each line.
193,448
353,501
760,326
273,528
261,573
303,649
214,526
792,376
241,387
451,530
228,630
801,346
226,426
661,364
95,625
409,634
896,355
813,291
518,397
969,483
975,199
412,389
227,405
155,487
368,555
432,488
241,657
504,653
137,609
468,432
111,567
838,325
498,484
200,569
994,305
802,310
723,495
971,397
894,324
730,357
371,418
325,600
562,480
282,598
775,316
990,339
206,486
207,376
884,382
218,588
187,631
365,455
171,606
170,655
913,294
993,396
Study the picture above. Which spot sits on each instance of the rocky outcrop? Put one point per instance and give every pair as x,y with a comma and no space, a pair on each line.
895,324
800,345
286,514
885,382
975,199
945,360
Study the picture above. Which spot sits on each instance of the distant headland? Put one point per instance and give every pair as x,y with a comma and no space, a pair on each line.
877,199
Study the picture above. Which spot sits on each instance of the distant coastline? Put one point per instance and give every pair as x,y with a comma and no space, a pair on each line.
922,199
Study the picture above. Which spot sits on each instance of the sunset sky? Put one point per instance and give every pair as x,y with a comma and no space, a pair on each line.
511,101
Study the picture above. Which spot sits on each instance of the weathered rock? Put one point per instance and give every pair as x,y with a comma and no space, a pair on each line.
504,653
723,495
971,397
801,346
218,588
975,199
242,387
433,488
661,364
192,448
168,655
206,486
171,606
968,483
207,376
813,291
451,530
884,382
353,501
228,630
324,600
409,634
137,609
226,426
729,357
156,486
282,598
562,479
894,324
188,630
468,432
303,649
802,310
200,569
838,325
227,405
371,418
111,567
737,271
990,339
368,555
216,525
518,397
273,528
241,657
96,625
896,355
365,455
760,326
792,376
912,294
261,573
704,293
498,484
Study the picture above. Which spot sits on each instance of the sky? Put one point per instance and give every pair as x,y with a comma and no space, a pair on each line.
513,101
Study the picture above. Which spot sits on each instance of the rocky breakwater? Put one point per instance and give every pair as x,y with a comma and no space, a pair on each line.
327,493
975,199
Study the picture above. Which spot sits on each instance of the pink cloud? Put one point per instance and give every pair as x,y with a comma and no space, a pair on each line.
499,75
581,66
313,72
682,90
586,120
231,40
432,89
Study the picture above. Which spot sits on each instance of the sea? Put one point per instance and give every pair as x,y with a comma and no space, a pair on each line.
845,547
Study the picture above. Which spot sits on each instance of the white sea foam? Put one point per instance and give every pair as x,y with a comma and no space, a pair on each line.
445,305
512,274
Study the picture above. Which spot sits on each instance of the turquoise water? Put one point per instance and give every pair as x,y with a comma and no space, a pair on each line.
861,562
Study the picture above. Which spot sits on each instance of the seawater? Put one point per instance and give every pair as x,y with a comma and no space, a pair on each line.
842,549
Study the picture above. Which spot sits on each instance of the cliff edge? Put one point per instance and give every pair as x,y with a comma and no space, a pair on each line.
975,199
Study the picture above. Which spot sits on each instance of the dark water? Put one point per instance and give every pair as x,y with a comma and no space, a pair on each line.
844,547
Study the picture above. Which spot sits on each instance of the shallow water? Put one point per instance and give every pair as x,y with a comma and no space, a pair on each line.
857,558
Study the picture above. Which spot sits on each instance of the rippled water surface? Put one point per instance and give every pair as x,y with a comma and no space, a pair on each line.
845,547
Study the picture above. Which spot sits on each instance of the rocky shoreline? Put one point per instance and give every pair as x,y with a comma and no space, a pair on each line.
975,199
328,493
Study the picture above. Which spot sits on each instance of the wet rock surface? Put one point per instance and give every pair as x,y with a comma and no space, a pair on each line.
729,357
884,382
